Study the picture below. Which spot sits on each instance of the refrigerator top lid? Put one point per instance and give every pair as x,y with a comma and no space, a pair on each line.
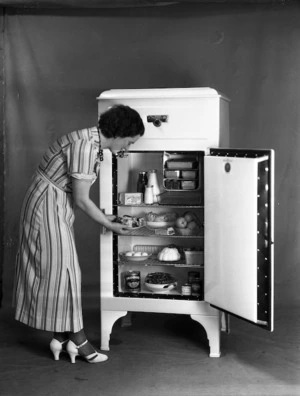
161,93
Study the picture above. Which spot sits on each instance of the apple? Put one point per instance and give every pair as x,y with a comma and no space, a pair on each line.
192,225
137,254
189,216
144,254
181,222
129,254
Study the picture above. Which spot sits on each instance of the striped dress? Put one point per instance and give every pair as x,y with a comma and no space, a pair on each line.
47,287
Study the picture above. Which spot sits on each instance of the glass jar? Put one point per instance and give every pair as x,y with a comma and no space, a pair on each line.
186,289
192,275
195,281
142,182
132,281
196,288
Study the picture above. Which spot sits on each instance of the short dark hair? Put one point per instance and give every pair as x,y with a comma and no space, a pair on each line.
121,121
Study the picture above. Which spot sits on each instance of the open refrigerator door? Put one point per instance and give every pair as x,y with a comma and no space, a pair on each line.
239,236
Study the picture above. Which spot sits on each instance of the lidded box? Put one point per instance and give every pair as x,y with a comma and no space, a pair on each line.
194,257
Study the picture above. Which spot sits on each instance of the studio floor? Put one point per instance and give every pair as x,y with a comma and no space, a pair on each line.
161,355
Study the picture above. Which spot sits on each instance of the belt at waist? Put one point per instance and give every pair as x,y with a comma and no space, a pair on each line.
46,178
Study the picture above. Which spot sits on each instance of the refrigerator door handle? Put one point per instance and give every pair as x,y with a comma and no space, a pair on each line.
157,119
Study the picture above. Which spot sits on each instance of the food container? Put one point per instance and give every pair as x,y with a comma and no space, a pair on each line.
172,174
131,198
163,231
189,174
172,184
194,257
188,184
182,164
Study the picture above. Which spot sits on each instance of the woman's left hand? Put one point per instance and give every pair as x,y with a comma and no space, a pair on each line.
81,188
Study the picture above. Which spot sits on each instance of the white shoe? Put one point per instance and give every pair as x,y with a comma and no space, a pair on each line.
56,347
95,357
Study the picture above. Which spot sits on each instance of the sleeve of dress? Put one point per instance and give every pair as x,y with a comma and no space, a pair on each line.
81,161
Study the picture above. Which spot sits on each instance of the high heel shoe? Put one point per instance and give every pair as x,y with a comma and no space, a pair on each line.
56,347
95,357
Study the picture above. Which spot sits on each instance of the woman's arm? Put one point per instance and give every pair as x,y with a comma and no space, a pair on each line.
81,196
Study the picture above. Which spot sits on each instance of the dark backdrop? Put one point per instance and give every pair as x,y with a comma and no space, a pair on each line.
57,62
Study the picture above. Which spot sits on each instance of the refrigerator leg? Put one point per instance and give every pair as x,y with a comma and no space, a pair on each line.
127,320
212,327
108,318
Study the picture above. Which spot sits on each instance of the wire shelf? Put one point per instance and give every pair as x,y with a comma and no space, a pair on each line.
148,232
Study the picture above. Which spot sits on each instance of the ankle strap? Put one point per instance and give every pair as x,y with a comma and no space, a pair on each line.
81,345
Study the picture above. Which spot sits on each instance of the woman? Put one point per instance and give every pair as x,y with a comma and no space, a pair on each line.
48,276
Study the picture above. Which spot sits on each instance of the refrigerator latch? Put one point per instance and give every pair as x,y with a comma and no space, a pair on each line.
157,119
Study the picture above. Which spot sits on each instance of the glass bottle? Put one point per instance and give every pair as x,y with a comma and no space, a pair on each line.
142,182
152,181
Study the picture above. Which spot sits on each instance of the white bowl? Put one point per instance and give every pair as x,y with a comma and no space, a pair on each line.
160,287
160,224
135,258
169,282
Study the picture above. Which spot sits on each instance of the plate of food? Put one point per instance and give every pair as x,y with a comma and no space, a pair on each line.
135,256
131,222
160,282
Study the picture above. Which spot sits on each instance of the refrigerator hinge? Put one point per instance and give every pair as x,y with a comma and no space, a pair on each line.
262,322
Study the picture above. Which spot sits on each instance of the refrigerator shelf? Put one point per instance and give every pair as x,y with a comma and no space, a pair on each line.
155,262
183,265
178,205
147,232
171,295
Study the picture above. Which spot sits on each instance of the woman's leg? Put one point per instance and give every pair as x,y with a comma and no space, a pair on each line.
78,339
61,337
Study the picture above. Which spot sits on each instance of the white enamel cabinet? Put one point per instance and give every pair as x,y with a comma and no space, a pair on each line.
232,199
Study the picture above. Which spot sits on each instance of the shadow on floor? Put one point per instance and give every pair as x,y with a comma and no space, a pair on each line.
158,355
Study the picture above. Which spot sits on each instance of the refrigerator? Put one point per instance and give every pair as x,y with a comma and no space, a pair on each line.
217,263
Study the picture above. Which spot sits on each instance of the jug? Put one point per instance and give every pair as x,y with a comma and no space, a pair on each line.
148,197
